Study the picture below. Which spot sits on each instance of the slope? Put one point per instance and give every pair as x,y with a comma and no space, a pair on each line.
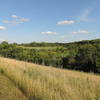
8,91
38,82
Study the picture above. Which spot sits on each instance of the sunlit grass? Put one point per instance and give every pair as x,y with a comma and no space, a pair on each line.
40,48
9,91
38,82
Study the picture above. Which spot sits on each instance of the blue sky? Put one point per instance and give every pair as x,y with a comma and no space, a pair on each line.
49,20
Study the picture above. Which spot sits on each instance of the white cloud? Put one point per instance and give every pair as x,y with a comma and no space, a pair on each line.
85,14
66,22
6,21
14,16
81,32
49,32
24,19
2,28
16,20
12,22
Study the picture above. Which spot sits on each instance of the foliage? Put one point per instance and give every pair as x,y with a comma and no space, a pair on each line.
83,55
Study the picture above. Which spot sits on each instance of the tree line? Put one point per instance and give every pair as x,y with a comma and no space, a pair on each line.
83,55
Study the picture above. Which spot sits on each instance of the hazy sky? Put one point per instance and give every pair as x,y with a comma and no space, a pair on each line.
49,20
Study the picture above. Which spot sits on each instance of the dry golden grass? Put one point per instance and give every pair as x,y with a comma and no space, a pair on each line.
38,82
8,90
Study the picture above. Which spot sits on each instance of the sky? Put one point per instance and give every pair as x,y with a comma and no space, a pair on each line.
24,21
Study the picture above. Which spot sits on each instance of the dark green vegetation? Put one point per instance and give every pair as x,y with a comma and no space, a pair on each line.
83,55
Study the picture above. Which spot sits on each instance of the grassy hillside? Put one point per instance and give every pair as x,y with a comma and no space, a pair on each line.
26,81
9,91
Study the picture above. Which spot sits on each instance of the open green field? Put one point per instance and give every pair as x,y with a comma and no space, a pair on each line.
26,81
41,48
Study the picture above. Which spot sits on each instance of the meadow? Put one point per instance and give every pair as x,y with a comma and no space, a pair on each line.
40,48
26,81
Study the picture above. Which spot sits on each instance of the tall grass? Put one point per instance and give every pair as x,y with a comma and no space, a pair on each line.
8,90
38,82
